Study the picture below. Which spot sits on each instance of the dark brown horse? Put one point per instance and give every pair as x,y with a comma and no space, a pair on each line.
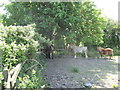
49,51
105,51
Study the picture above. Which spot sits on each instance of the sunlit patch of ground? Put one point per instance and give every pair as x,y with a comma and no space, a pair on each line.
111,80
116,58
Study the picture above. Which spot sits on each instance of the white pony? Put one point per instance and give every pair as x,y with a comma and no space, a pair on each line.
77,49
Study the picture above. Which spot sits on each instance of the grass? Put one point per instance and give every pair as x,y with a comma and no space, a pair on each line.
74,70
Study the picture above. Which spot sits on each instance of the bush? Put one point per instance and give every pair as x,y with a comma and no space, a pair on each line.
19,43
92,52
116,51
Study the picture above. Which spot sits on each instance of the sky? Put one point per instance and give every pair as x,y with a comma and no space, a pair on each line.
1,8
109,7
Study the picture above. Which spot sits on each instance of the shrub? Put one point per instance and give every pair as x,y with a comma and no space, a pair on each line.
19,43
92,52
116,51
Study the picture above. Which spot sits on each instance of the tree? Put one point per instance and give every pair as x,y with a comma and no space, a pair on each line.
111,34
67,22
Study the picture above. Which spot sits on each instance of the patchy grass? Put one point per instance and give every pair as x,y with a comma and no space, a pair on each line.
74,70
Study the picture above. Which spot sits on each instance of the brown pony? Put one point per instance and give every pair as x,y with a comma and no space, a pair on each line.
107,51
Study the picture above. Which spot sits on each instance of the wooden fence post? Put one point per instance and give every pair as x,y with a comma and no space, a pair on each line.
10,77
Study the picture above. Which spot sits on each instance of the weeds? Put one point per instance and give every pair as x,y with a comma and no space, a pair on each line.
75,70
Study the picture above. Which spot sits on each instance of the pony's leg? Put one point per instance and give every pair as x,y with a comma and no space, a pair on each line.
51,55
74,55
86,56
111,55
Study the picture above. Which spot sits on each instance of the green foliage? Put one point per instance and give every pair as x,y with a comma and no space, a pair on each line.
1,80
59,22
75,22
1,18
116,52
31,81
18,44
1,77
111,35
92,52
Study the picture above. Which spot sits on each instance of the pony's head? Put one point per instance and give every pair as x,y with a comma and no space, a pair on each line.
99,49
71,45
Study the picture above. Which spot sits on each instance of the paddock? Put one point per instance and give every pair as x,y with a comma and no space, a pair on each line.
67,72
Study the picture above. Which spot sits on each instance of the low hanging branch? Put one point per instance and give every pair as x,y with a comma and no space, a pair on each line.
34,64
31,67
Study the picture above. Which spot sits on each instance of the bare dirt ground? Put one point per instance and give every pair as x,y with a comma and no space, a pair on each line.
68,72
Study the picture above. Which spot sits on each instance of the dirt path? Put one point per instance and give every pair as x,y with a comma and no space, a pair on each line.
73,73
